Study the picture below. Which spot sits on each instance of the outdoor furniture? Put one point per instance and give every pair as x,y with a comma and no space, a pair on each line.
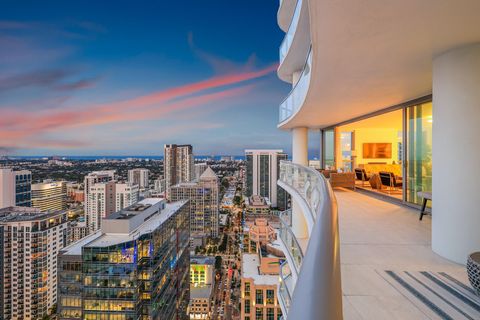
426,196
473,270
326,173
343,179
361,175
388,179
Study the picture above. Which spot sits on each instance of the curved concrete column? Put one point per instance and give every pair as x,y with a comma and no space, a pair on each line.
456,153
300,156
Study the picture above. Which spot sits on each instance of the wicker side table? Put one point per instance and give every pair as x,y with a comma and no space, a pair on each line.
473,270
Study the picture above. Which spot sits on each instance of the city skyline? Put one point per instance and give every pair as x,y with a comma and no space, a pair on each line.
78,81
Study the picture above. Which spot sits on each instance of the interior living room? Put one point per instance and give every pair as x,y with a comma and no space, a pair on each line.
389,152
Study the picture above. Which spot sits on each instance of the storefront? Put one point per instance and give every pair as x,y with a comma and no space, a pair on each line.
390,151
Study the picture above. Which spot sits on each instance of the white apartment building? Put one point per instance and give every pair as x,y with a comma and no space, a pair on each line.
126,194
178,164
15,188
49,195
101,202
262,173
30,242
392,88
139,177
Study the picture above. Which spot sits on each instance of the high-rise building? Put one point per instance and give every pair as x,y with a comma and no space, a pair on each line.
29,244
178,164
91,203
135,267
199,168
126,194
204,204
49,196
139,177
263,169
101,202
202,281
15,188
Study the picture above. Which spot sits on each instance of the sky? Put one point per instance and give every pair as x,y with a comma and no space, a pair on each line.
127,77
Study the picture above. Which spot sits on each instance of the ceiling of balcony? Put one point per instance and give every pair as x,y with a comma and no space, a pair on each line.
369,55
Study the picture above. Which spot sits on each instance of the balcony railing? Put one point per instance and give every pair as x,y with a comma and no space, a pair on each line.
289,240
283,289
295,99
287,40
316,293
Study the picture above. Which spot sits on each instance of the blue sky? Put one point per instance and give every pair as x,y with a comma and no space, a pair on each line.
124,77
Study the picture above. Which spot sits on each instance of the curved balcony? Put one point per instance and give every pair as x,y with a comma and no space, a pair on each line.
292,249
295,44
285,12
316,292
295,99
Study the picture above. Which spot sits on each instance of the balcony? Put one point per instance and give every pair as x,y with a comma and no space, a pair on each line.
290,244
296,97
285,287
295,44
285,12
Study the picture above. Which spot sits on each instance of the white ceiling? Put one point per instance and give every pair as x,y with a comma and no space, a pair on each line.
372,54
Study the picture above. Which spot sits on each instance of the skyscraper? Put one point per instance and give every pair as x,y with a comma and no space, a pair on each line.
101,203
139,177
15,188
49,196
126,194
92,203
199,168
135,267
262,174
203,196
177,164
29,244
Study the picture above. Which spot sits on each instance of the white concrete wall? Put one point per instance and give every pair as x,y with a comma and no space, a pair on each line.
456,153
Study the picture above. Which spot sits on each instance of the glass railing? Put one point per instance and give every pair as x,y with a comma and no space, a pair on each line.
306,181
283,290
287,41
289,240
297,95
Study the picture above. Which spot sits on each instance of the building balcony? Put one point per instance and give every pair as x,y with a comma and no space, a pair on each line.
296,97
388,269
285,12
285,287
295,44
291,246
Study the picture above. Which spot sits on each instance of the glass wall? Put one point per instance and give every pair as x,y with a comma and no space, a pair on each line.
419,151
329,149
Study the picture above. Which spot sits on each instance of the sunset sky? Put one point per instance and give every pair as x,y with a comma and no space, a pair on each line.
124,77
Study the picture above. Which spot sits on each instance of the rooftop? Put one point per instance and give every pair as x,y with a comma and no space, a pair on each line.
250,265
10,214
200,292
202,260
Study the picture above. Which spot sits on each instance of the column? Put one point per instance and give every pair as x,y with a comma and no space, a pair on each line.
456,153
299,156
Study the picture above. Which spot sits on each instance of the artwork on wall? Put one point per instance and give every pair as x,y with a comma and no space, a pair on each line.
377,150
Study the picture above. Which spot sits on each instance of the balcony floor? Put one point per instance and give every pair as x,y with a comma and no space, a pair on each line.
376,236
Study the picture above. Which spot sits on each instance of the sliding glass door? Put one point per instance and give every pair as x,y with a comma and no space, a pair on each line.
419,151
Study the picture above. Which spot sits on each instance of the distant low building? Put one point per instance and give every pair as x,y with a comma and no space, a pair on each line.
256,205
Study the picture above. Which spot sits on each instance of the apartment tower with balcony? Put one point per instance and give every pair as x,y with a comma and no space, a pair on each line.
178,164
393,92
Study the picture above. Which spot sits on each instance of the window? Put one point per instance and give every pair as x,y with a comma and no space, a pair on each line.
259,296
247,306
270,314
258,314
247,289
270,297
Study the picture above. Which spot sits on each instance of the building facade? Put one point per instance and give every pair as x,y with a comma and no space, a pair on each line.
178,164
126,194
15,188
204,203
93,207
49,195
262,172
135,267
202,282
100,203
199,169
139,177
29,244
